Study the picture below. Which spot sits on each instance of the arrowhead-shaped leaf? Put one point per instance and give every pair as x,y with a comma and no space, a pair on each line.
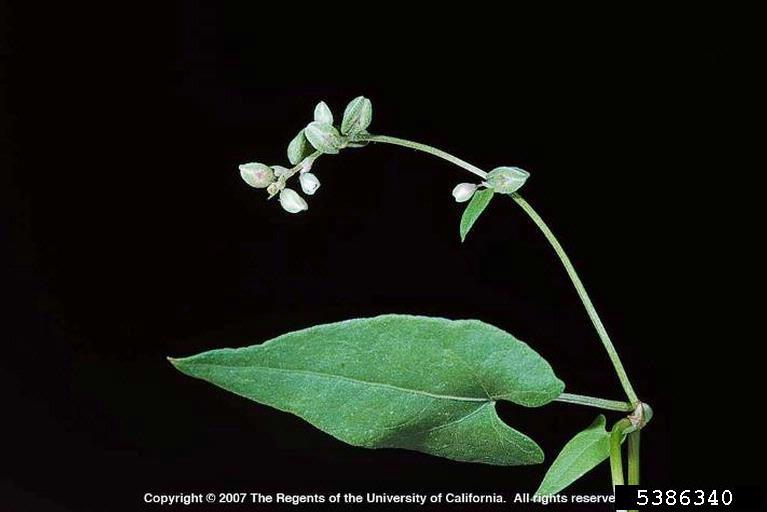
579,456
396,381
474,209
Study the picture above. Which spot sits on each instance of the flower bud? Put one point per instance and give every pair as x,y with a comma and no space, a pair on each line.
257,175
292,202
463,192
506,180
322,113
309,183
275,188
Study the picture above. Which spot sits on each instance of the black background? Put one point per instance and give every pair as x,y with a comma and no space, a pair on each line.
131,236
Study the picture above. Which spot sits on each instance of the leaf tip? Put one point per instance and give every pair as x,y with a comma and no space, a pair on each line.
181,364
177,362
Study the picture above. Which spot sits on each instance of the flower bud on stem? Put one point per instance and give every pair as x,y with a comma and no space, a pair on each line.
463,192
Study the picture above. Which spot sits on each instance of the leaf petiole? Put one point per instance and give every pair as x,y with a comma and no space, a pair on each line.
601,403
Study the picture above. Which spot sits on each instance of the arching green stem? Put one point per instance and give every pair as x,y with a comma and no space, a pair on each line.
580,289
585,299
426,149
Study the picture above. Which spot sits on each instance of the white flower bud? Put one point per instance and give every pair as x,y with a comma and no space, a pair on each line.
292,202
275,187
463,192
309,183
256,175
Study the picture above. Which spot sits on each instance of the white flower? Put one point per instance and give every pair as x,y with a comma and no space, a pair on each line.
291,201
309,183
463,192
257,175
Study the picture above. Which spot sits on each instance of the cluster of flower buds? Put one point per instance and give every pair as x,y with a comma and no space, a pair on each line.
273,179
317,138
503,180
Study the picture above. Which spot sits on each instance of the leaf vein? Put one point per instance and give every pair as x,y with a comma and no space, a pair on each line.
456,421
355,381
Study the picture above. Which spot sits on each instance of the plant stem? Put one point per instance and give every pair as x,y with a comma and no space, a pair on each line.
616,459
602,403
579,288
633,467
426,149
592,312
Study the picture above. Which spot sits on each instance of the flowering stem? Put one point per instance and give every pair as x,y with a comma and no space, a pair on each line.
426,149
580,289
592,312
293,170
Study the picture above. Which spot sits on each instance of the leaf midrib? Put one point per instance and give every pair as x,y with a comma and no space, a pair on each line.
356,381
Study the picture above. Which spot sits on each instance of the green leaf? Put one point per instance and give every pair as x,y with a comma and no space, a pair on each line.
299,148
579,456
395,381
322,113
324,137
357,116
506,180
474,209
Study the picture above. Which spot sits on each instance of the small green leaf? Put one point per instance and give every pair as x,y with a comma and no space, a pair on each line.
474,209
322,113
357,116
579,456
506,180
299,148
324,137
395,381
